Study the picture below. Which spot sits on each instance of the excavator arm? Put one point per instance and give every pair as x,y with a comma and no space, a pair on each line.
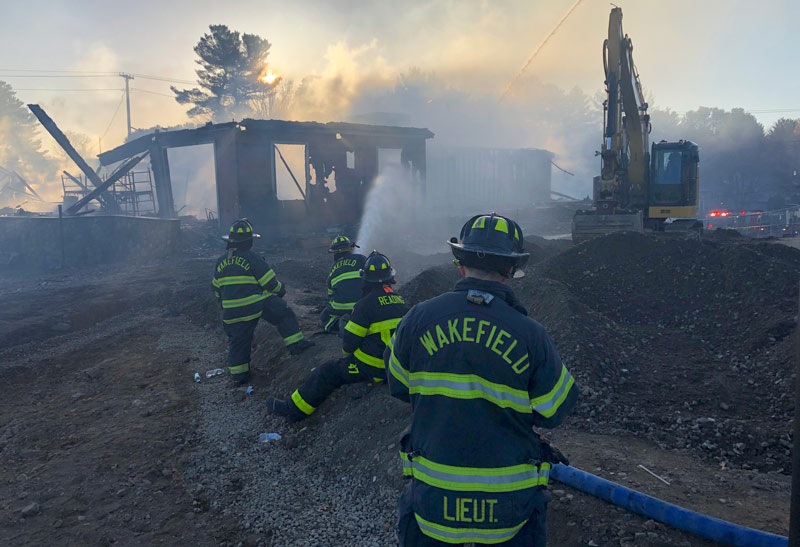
625,157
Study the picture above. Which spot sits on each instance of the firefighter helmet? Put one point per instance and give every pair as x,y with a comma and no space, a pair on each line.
341,244
241,231
377,269
492,243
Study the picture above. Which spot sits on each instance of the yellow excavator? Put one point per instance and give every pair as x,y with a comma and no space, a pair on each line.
638,188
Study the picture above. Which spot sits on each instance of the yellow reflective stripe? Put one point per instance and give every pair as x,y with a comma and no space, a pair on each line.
330,292
397,370
380,326
237,280
342,306
469,386
216,293
346,275
239,302
239,369
356,329
264,279
293,338
548,404
458,536
240,319
368,359
215,282
478,479
501,225
301,404
479,222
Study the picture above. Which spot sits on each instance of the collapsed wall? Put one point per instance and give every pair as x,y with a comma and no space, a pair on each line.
37,242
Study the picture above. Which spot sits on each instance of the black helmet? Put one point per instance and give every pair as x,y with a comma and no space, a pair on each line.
341,244
492,243
377,269
241,231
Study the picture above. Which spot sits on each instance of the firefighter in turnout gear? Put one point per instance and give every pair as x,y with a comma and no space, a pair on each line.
344,282
374,318
247,290
479,375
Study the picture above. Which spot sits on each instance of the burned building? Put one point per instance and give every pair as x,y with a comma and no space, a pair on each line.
254,179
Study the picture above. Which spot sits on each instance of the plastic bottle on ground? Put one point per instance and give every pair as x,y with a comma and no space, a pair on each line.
214,372
267,437
196,376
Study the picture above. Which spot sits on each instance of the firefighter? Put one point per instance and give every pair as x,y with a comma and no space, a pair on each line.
247,289
479,375
374,318
344,282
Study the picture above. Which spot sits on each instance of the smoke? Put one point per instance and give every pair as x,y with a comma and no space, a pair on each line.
395,216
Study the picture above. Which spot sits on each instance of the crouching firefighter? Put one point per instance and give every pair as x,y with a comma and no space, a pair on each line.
247,289
479,375
369,330
344,282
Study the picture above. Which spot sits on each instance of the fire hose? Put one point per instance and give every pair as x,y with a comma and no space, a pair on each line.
698,524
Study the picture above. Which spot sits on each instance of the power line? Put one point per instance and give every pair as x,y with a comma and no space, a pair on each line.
152,92
57,71
67,89
163,79
122,98
538,49
69,74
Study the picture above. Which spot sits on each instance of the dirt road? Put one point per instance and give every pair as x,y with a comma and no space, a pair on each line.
106,439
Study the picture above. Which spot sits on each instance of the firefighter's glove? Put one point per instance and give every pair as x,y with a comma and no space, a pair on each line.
551,453
282,292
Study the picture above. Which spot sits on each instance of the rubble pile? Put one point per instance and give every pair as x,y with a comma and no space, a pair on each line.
683,342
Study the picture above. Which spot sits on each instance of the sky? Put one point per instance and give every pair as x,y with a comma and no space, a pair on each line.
689,53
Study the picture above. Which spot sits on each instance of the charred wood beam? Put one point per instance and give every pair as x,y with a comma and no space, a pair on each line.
159,162
64,143
104,185
302,193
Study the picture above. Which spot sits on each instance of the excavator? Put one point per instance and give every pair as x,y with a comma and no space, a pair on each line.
639,188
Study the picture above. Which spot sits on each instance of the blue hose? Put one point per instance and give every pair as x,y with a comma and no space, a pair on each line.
701,525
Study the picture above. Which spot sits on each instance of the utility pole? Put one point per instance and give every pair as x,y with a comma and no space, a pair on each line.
794,507
128,78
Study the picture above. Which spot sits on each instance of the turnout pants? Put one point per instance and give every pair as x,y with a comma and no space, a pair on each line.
278,313
332,319
240,335
326,379
533,534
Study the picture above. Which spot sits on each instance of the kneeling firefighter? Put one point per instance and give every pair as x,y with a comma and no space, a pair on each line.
344,282
479,375
247,290
365,337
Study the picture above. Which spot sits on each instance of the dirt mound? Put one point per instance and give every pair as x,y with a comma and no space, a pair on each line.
736,295
684,342
430,283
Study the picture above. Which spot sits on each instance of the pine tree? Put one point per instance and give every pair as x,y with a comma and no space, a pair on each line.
230,75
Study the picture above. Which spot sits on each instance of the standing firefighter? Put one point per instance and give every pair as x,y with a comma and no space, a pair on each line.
344,282
479,374
375,316
247,289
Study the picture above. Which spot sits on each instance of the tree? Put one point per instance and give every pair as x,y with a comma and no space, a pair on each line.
20,147
231,76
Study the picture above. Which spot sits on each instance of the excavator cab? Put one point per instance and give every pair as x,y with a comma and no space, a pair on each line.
673,186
